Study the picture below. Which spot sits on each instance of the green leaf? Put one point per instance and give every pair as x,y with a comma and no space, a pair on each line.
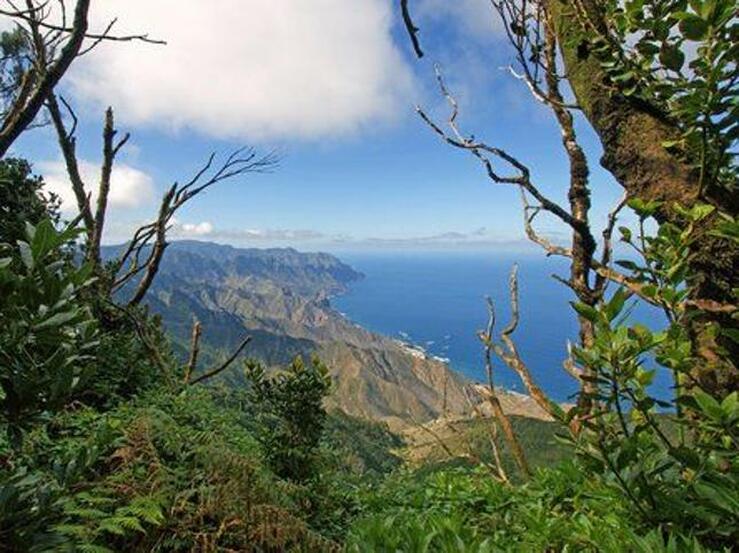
616,304
44,239
644,377
686,456
626,264
625,234
56,320
730,404
701,211
708,404
671,144
585,311
30,231
726,499
623,77
672,57
649,291
643,335
731,333
644,208
693,27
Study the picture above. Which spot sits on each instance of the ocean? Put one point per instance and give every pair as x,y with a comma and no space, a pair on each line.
437,301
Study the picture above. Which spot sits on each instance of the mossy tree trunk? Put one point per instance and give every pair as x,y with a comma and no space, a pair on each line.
632,133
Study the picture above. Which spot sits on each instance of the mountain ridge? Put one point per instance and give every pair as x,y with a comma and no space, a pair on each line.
280,297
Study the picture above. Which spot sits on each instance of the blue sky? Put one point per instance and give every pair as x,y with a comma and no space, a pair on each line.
333,92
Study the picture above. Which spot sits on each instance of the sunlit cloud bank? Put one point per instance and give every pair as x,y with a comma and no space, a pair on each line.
258,70
129,187
313,239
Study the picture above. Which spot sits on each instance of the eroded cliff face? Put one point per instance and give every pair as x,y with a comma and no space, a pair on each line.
280,297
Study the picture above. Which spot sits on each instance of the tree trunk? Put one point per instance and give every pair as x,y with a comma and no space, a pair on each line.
26,108
632,134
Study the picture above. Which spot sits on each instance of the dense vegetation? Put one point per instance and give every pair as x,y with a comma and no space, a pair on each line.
111,442
104,454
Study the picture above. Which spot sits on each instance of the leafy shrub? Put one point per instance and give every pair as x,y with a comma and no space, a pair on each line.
163,472
49,335
688,479
115,377
290,414
22,200
459,509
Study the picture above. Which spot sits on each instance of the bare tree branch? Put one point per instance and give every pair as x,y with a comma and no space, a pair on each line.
194,351
411,28
522,24
521,176
712,306
157,251
529,214
569,363
223,366
31,16
240,162
110,150
438,439
68,146
53,48
605,258
27,110
154,353
492,438
487,339
510,355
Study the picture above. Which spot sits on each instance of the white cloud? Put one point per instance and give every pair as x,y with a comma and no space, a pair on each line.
281,234
249,235
264,237
191,229
262,69
129,187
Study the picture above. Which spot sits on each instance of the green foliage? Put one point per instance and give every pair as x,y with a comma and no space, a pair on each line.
115,377
117,456
680,56
22,200
291,417
14,62
465,510
162,472
687,479
48,335
363,446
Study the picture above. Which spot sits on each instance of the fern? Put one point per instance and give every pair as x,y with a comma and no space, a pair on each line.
147,509
71,530
120,525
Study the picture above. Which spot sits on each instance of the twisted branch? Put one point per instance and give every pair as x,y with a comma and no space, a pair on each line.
512,357
240,162
223,366
510,435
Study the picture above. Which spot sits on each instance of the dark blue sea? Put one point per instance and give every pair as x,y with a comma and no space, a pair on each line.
437,301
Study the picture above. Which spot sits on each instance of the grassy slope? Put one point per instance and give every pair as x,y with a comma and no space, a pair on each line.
469,441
